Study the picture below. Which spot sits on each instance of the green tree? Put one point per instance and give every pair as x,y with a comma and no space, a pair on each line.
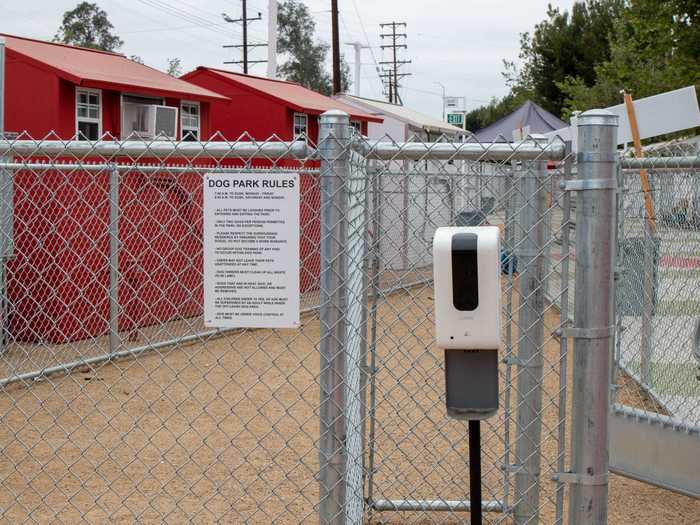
565,45
655,48
88,26
563,51
174,67
305,56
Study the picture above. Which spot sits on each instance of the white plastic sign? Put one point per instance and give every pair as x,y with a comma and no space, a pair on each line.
656,115
251,250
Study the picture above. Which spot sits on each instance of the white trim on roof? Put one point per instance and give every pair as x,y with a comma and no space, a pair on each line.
409,116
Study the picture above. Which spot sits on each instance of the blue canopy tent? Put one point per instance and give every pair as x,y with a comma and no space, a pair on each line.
528,119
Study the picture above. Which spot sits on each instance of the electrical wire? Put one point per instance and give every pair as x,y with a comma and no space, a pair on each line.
190,41
371,51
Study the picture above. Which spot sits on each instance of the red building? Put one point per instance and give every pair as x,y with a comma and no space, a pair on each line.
262,107
64,90
58,281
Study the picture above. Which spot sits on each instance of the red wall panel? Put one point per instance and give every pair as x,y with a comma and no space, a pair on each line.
31,98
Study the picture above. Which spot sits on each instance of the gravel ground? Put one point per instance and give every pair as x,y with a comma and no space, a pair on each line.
224,430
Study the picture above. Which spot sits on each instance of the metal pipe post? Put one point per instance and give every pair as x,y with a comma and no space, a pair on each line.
475,471
114,340
375,248
508,245
593,317
530,256
334,140
6,208
563,294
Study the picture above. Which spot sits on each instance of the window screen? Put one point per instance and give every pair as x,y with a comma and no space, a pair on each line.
189,121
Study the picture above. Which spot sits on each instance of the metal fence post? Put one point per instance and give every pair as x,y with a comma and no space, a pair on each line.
6,208
114,340
593,316
530,256
647,300
334,139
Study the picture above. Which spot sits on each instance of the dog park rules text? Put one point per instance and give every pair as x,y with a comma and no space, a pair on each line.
251,250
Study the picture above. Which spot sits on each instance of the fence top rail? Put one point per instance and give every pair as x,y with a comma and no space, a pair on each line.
523,150
657,163
97,167
273,150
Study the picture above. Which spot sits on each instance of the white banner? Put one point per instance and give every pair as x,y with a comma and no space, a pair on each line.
251,250
656,115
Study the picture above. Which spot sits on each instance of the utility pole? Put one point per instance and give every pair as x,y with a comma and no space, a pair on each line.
272,39
358,46
443,98
392,72
245,45
336,47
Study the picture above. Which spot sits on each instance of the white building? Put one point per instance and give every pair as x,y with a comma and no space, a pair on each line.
402,124
412,206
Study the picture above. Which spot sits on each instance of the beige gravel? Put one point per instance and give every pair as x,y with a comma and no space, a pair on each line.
224,431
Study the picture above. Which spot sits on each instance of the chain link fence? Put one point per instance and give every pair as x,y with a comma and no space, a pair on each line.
658,292
117,403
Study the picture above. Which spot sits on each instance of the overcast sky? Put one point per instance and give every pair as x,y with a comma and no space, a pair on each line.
460,43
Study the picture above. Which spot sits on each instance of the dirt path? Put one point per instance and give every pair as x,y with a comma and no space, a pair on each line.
225,430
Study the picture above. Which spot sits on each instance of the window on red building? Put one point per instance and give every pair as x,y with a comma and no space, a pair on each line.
189,121
88,114
301,126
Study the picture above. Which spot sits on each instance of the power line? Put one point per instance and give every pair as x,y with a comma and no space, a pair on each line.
197,41
183,15
391,73
371,50
157,29
245,45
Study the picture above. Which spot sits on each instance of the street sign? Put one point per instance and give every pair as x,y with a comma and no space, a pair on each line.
456,119
455,103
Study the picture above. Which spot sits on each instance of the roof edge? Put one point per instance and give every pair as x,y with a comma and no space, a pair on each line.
366,103
61,44
221,73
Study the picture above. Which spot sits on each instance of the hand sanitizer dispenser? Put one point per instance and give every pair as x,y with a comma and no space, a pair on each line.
467,280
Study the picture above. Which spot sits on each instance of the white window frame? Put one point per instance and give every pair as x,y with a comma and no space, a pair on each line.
296,135
196,104
98,120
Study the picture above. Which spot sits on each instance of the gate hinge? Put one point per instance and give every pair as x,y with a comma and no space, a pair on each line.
588,184
580,479
589,333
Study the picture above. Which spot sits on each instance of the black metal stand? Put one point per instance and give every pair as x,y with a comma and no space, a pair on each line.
475,471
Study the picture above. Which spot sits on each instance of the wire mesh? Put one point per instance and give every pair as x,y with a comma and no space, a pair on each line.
657,293
146,415
418,468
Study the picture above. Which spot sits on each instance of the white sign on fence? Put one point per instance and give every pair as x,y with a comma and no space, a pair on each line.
251,250
656,115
